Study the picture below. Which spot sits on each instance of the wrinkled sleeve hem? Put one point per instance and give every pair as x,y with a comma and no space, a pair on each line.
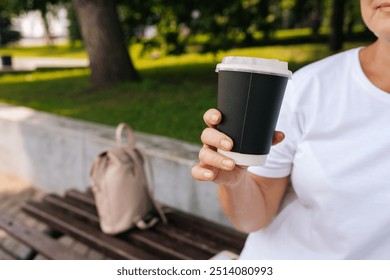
269,173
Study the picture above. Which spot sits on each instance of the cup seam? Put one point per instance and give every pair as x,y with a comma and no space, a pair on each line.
246,110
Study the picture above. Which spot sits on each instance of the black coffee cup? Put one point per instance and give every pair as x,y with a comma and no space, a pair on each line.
250,94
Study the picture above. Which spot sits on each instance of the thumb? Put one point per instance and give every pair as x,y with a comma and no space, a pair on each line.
278,137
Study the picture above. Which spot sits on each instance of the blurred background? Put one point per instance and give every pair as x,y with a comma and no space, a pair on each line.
151,63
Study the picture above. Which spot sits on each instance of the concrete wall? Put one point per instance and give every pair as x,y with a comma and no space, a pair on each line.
56,153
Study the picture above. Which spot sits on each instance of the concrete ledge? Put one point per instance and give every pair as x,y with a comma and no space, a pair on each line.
55,153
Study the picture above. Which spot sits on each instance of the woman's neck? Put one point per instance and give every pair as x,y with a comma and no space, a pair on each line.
375,62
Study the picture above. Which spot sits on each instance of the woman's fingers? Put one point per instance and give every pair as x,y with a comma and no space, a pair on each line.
212,117
208,156
214,138
211,163
213,166
203,172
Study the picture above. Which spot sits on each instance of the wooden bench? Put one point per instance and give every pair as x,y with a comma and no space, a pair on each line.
184,237
5,255
38,242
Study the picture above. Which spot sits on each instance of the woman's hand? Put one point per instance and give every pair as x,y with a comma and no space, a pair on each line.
213,166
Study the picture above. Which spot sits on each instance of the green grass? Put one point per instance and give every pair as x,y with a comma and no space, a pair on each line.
63,51
170,100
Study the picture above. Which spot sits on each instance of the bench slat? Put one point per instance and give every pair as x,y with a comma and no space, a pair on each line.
168,246
74,207
85,197
188,235
162,243
190,238
184,237
5,256
88,234
37,240
188,223
204,229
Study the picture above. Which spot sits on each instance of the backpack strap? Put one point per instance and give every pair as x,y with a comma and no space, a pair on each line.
129,134
142,224
151,188
150,183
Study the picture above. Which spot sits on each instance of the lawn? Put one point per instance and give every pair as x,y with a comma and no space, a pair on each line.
170,100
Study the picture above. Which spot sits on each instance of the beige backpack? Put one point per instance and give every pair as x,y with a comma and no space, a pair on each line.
121,188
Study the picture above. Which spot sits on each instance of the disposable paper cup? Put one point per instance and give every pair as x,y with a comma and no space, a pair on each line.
250,94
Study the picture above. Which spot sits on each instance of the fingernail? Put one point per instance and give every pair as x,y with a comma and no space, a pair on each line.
208,174
214,117
228,162
225,144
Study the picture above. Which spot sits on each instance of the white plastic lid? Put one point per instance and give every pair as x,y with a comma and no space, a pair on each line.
254,65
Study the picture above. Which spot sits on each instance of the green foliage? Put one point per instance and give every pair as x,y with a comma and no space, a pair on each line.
16,7
10,8
63,51
170,101
74,27
207,26
211,26
7,35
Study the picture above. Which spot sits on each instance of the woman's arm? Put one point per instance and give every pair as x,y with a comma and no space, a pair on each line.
249,201
254,203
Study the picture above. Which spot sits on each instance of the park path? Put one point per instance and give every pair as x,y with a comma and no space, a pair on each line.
13,193
31,63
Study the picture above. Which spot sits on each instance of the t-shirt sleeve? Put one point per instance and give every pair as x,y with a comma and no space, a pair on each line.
280,159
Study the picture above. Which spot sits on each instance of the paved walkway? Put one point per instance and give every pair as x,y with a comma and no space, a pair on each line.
31,63
13,193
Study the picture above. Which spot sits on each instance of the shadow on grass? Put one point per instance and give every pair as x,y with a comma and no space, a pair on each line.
169,101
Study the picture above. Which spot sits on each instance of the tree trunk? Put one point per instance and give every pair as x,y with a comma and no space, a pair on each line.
337,22
103,38
315,18
264,12
46,25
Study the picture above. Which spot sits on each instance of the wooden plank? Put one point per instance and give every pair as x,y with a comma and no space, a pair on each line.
85,197
177,215
110,245
224,236
156,243
74,207
187,237
191,238
188,228
40,242
183,227
169,246
5,256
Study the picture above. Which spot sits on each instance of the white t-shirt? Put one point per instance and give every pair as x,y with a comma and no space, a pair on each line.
337,151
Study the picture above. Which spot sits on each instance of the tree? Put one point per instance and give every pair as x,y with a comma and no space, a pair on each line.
263,15
336,25
7,35
16,7
110,62
74,33
104,42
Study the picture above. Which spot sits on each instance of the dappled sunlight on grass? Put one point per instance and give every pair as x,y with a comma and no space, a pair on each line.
185,59
295,54
43,75
170,100
63,51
